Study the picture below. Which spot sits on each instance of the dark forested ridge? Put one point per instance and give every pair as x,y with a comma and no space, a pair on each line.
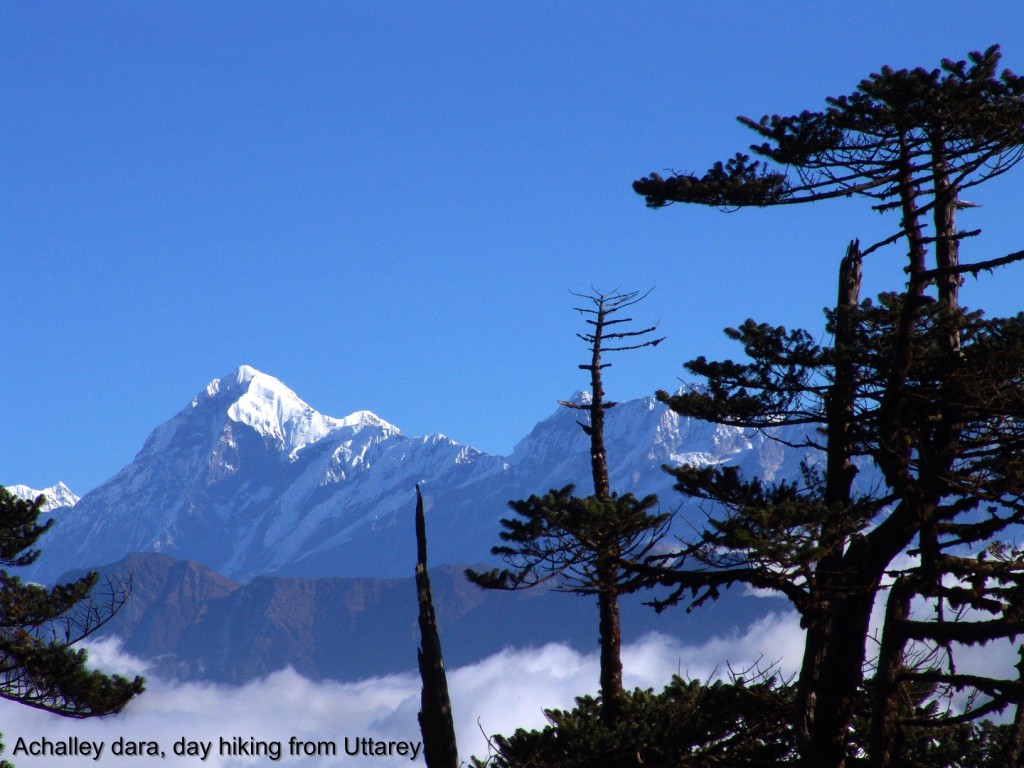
193,624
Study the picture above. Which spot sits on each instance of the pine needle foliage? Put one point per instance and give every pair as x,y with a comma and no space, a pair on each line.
929,394
689,724
38,627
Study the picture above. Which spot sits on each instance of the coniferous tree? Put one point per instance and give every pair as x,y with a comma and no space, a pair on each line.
38,627
927,392
582,543
690,724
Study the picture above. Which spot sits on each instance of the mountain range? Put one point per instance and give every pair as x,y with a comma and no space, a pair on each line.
259,533
248,480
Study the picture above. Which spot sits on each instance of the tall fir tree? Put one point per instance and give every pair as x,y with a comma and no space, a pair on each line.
584,544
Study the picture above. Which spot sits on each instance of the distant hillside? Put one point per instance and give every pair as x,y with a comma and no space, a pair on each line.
194,624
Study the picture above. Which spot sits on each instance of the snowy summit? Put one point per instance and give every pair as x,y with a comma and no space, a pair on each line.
57,496
268,406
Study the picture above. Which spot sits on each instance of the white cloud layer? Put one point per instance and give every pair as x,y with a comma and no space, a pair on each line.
496,695
503,692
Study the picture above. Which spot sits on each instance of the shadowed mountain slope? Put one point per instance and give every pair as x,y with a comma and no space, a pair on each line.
194,624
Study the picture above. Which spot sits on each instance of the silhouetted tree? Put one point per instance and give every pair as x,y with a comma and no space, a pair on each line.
38,627
930,394
440,749
689,724
583,543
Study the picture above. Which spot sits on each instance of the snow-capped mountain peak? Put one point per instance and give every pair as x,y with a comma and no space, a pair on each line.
275,411
264,403
248,476
57,496
361,419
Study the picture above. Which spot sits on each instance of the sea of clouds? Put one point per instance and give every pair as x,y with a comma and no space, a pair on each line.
503,692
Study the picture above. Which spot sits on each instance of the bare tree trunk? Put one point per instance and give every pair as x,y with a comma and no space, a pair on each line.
947,244
839,474
608,599
439,747
839,408
598,459
841,674
611,657
885,705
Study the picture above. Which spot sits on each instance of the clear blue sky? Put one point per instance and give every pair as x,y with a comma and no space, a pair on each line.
385,205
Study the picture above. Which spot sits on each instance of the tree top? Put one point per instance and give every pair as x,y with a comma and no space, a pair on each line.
895,121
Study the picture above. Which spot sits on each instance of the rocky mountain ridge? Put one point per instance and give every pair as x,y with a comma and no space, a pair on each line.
249,480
